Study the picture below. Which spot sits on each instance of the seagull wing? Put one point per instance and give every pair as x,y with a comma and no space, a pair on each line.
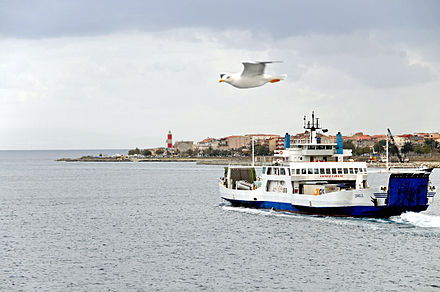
255,68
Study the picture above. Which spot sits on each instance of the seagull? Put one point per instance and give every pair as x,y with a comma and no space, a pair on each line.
252,75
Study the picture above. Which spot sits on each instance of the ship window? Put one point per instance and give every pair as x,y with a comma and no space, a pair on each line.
298,171
316,171
327,171
333,170
360,169
345,170
339,170
322,171
351,170
304,171
282,171
356,170
288,170
365,170
264,170
277,171
269,170
310,171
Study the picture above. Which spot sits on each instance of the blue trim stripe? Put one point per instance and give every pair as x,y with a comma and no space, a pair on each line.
353,211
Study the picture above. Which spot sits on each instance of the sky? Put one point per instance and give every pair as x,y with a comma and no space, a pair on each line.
121,74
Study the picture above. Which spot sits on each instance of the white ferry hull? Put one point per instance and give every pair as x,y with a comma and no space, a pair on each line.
349,203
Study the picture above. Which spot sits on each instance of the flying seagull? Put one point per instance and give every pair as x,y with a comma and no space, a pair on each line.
252,75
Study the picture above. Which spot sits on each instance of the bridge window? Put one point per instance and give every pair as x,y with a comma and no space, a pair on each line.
365,170
316,171
356,170
298,171
264,170
282,171
327,171
351,170
345,170
333,170
310,171
339,170
269,170
322,171
304,171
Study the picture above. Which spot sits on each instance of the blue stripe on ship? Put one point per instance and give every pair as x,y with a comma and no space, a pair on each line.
353,211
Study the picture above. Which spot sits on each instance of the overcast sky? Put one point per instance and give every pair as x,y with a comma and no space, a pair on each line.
120,74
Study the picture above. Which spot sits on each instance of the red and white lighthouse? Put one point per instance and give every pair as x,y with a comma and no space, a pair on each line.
169,140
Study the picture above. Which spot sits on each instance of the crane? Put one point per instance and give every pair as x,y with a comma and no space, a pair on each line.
394,142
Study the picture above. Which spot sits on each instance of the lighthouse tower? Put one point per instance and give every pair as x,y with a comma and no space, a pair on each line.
169,140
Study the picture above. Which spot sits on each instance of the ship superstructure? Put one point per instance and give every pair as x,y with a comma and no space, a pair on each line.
313,176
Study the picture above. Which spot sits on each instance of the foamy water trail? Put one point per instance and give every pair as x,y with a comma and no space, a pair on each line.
269,212
415,219
418,219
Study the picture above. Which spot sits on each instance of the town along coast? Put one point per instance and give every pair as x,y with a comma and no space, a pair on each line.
259,160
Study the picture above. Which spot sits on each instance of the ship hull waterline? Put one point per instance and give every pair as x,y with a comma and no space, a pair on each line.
349,211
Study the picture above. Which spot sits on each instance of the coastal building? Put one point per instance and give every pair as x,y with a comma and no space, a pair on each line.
234,142
377,138
272,144
417,140
279,143
261,138
207,143
434,136
184,146
402,139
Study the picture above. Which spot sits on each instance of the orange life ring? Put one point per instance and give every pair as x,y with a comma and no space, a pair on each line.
281,152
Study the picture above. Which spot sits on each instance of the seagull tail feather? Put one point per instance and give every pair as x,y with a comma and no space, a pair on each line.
282,76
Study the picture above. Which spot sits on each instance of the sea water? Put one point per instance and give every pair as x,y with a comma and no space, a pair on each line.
162,226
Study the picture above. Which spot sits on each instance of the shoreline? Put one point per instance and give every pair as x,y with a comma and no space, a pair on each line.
259,161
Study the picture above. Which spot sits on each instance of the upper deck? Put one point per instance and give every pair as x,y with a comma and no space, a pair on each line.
312,148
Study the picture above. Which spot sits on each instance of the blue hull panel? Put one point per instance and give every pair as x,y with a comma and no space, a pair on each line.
355,211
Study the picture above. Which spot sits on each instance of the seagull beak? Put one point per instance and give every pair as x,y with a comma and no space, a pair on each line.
221,80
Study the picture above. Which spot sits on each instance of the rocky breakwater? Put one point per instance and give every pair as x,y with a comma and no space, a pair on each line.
96,159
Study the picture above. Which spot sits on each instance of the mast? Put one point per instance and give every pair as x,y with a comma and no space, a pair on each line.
312,125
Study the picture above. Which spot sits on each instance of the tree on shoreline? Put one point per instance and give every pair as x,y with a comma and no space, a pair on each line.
134,151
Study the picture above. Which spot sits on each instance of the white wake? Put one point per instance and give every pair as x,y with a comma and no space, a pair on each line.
418,219
411,218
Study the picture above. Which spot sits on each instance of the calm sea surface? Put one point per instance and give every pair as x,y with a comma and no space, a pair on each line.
162,226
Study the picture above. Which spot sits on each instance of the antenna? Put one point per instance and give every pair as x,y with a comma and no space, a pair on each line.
312,125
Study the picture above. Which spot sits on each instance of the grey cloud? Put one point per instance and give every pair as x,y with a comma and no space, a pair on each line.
37,19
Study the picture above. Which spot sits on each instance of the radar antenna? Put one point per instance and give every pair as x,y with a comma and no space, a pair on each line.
312,125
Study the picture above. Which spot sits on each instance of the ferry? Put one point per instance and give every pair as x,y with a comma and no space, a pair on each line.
314,176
